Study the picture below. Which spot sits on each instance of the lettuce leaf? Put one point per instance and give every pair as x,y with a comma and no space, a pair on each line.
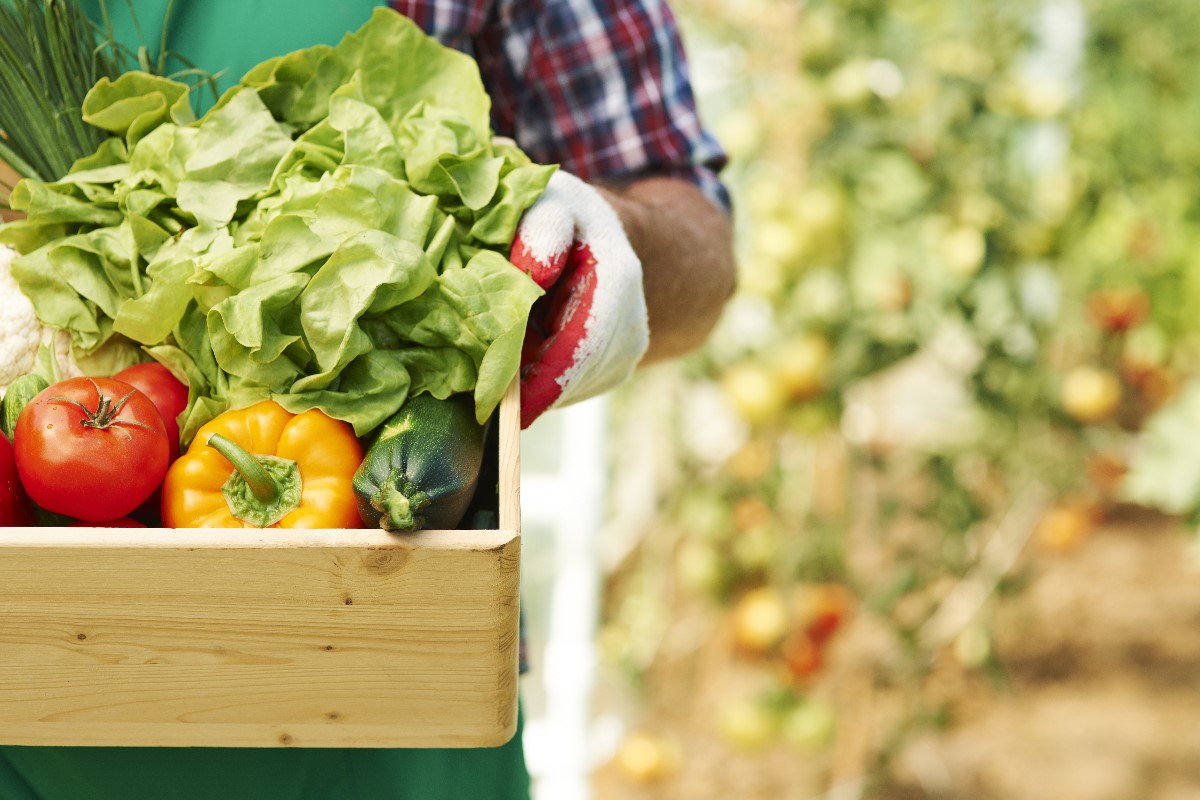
333,233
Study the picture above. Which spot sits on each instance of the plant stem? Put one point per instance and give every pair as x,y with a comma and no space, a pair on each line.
49,60
257,478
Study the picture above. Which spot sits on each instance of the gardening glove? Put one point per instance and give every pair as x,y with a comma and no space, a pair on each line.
589,331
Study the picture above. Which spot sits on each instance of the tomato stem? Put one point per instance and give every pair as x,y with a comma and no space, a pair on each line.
105,415
261,484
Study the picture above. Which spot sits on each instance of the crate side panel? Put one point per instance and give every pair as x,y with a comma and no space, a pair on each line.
321,645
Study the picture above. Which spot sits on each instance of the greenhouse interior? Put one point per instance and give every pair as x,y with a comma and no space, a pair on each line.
919,519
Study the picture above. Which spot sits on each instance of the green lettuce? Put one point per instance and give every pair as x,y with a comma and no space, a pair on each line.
332,234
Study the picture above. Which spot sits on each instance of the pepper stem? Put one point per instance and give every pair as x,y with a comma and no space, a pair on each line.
259,481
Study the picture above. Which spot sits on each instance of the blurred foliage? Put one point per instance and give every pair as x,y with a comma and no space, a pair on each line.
967,235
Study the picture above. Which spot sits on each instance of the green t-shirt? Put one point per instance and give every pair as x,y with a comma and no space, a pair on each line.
228,37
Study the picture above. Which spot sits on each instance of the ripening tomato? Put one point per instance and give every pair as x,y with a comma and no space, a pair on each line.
644,758
1090,394
90,448
760,620
802,657
14,505
1117,310
746,724
803,365
168,393
1065,527
821,608
810,724
754,392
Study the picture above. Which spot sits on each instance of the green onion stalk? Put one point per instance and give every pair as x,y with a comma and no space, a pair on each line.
51,55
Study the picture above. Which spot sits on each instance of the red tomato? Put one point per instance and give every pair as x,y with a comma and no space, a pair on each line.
822,608
168,393
14,504
802,656
170,397
91,448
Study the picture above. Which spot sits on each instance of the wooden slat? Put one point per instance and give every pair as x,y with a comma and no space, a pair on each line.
392,641
510,459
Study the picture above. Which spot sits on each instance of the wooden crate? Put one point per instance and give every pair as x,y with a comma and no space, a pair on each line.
324,638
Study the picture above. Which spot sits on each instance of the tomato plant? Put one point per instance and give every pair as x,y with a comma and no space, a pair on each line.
91,448
14,504
168,393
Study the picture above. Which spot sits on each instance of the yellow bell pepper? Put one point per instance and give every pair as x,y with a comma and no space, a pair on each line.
264,467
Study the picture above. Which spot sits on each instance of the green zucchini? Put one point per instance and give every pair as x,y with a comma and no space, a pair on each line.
422,469
16,397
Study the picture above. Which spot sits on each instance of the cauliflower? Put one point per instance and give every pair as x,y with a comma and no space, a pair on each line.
20,331
21,334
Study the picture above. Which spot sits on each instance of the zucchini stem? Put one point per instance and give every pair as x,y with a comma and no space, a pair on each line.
399,503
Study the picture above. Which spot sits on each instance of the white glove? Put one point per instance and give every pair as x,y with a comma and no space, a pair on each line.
589,331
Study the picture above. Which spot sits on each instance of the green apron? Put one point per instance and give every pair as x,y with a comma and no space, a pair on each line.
226,773
232,36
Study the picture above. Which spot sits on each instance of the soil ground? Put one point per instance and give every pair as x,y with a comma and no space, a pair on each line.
1095,696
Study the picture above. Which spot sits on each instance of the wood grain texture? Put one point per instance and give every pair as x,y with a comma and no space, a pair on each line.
510,459
265,638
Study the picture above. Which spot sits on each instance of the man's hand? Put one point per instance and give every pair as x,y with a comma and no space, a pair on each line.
589,331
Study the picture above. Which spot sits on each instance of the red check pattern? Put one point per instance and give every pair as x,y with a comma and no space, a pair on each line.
598,86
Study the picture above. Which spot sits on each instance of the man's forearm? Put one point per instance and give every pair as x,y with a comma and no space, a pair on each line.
685,244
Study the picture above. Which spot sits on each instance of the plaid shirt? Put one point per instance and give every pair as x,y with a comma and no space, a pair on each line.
598,86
